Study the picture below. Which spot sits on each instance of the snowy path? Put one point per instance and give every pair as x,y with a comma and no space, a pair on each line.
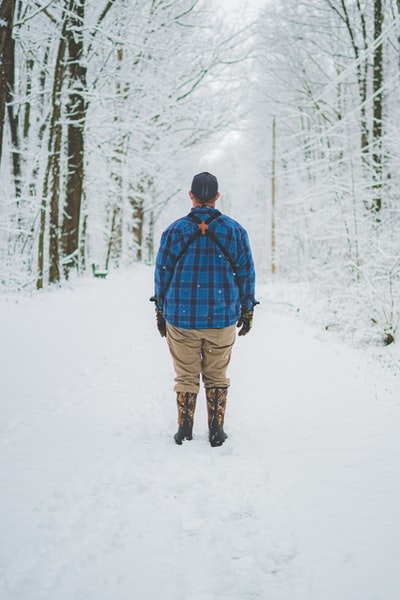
98,503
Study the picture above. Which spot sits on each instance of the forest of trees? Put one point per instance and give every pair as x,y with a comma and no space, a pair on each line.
104,104
330,72
99,103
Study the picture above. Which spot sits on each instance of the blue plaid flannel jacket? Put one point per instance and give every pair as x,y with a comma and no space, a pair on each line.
201,291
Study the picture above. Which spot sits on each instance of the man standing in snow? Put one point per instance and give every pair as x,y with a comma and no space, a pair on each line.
204,287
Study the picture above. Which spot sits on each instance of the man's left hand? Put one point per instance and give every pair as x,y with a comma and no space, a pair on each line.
161,324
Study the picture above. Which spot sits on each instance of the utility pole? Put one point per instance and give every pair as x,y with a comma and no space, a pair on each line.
273,241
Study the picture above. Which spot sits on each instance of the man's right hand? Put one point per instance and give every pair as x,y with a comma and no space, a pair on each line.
161,324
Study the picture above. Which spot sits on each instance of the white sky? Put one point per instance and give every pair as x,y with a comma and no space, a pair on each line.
233,7
237,4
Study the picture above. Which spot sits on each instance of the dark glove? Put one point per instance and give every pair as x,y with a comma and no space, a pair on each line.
245,321
161,325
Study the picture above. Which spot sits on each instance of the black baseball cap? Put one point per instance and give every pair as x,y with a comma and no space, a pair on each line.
204,186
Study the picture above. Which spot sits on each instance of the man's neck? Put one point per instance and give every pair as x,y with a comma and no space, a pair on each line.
205,205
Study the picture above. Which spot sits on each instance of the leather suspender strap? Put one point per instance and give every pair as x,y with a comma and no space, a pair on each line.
202,225
204,230
201,230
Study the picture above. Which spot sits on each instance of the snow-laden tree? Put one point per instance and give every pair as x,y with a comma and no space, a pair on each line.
160,97
329,72
106,101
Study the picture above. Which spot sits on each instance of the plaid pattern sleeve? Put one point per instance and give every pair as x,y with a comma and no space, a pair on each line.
200,290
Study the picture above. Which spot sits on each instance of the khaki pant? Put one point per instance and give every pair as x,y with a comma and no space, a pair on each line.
204,352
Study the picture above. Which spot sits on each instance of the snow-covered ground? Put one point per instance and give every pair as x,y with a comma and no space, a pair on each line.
98,503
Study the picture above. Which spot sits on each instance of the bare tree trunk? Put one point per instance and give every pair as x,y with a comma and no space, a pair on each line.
398,36
39,106
150,239
137,227
377,106
27,111
116,241
54,231
273,199
362,65
76,114
7,10
116,235
362,76
362,72
52,174
82,243
142,190
15,152
114,249
7,85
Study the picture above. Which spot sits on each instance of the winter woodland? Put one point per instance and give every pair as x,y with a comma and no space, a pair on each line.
108,108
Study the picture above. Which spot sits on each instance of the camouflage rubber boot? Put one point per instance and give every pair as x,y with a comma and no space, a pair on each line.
216,405
186,402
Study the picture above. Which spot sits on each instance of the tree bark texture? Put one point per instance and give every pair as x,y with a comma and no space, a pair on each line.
137,227
114,249
7,11
7,84
76,114
377,106
52,174
362,69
